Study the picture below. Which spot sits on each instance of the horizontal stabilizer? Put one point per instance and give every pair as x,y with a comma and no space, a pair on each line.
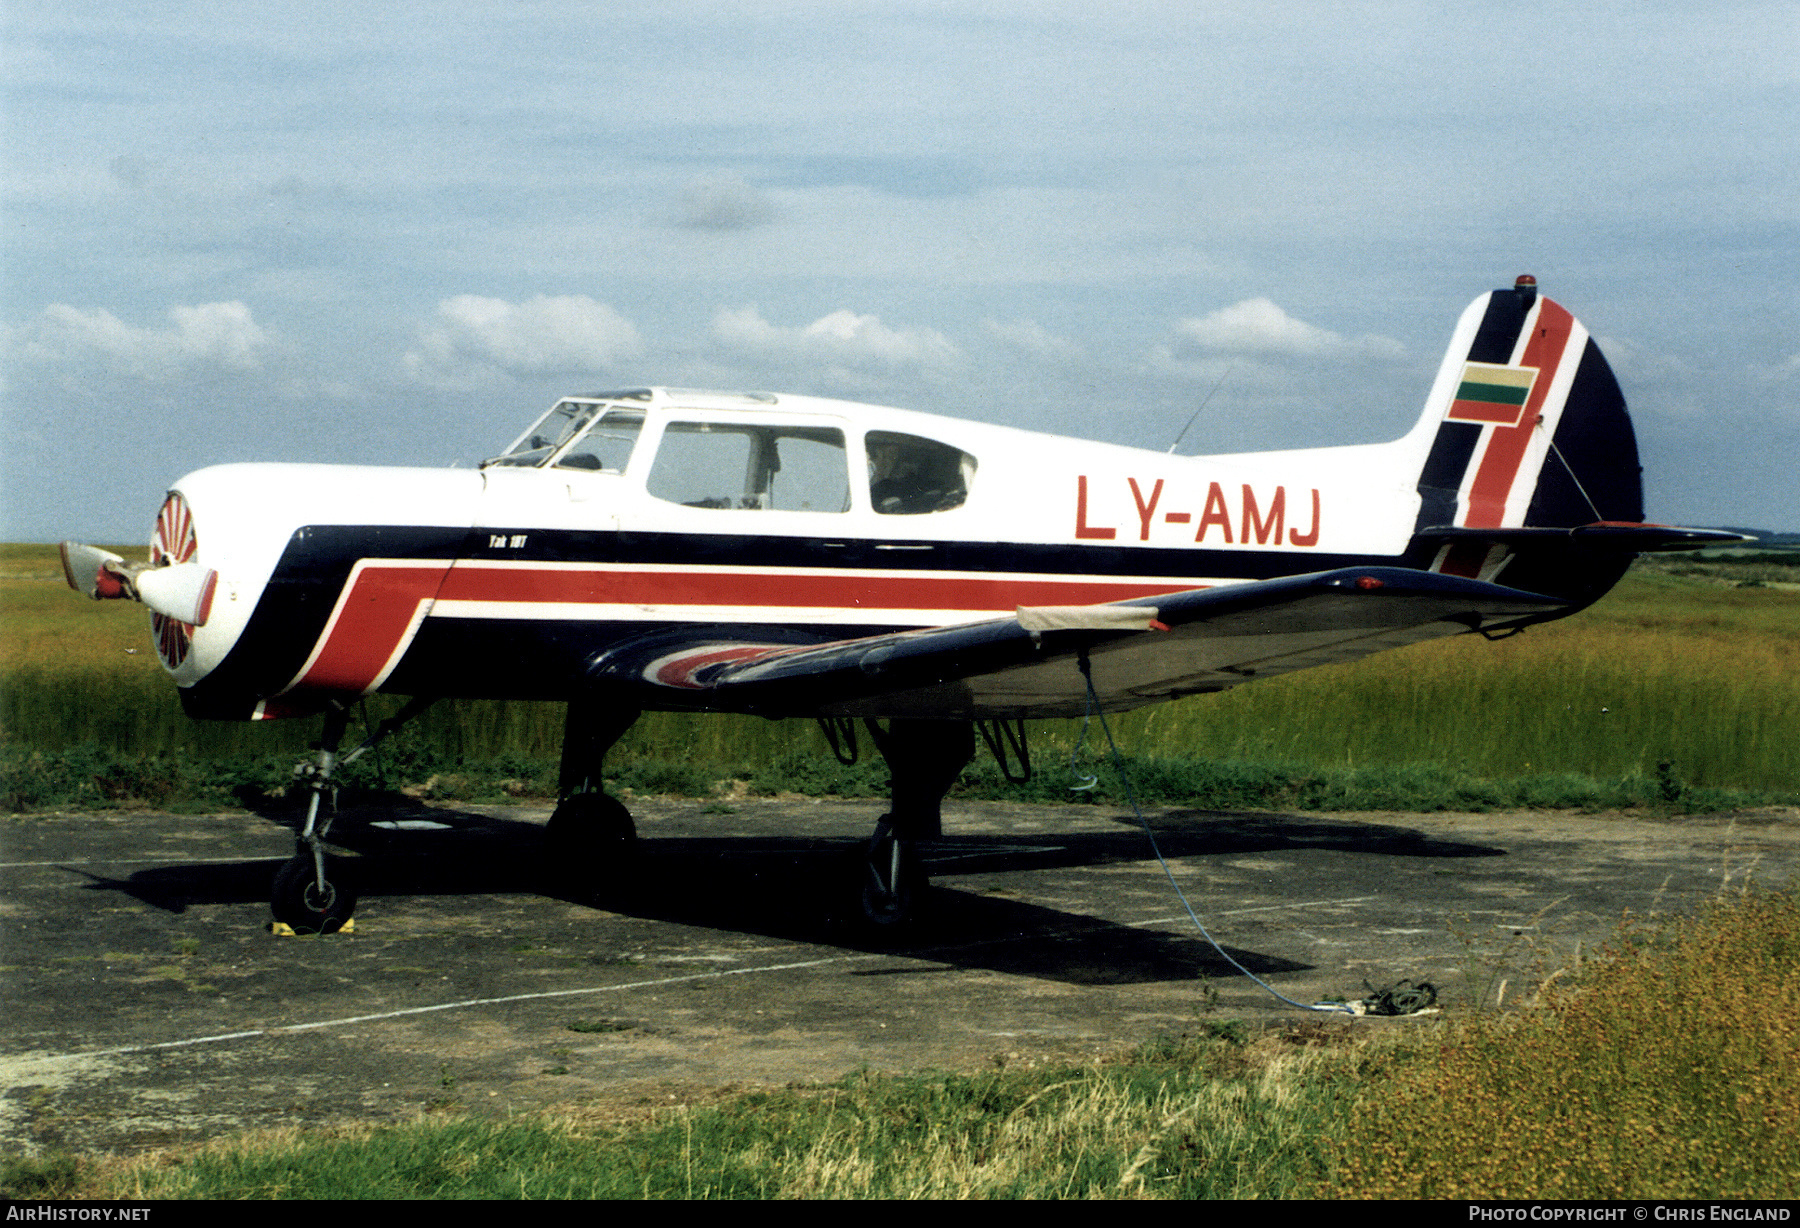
1609,536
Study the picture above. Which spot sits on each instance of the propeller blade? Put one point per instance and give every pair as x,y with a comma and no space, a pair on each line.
86,570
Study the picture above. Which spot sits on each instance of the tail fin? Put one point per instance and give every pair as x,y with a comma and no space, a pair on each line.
1529,440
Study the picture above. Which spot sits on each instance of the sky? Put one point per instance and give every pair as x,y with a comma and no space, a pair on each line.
393,234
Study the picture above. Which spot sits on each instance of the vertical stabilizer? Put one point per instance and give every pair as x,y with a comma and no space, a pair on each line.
1530,431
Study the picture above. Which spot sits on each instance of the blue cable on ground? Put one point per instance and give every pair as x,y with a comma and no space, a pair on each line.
1094,708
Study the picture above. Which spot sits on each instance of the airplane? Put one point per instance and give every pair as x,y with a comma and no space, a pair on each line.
793,556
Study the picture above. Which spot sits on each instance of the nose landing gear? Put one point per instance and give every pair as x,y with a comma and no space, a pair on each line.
314,891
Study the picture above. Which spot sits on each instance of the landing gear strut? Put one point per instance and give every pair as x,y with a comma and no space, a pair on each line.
590,841
924,759
314,892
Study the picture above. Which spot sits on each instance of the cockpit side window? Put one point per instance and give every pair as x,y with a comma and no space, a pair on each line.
910,475
752,467
606,448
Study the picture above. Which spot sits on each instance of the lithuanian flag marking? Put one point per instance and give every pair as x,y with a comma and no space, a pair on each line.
1491,394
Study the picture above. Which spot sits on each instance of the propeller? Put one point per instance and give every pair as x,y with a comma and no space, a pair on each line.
181,591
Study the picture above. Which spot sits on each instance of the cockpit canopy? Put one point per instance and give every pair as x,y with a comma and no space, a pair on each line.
745,460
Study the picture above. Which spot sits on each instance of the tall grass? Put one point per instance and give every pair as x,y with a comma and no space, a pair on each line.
1670,1070
1712,685
1664,670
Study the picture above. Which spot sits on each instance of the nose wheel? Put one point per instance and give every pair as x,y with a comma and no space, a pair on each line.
313,896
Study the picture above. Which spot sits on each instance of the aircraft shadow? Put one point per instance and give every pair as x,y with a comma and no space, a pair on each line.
1194,833
804,890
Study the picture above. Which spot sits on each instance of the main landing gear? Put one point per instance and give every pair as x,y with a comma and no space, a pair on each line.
590,841
924,759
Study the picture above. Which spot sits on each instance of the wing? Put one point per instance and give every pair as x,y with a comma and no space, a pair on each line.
1141,651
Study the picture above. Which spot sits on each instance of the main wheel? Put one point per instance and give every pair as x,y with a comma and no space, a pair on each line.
298,901
894,885
591,843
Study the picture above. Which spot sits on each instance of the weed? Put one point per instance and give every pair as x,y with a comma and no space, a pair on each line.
51,1176
1667,1068
1231,1031
1668,782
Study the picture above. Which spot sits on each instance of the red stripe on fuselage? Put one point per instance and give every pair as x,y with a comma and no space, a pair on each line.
381,606
1506,447
374,619
849,590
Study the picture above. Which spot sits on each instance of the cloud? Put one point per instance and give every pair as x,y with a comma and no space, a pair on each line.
1258,327
473,340
1635,363
217,335
129,171
723,204
1034,339
843,337
1778,372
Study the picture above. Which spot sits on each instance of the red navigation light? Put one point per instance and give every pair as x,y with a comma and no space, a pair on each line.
1369,584
1526,282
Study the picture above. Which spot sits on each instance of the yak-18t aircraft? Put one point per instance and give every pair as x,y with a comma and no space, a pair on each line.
789,556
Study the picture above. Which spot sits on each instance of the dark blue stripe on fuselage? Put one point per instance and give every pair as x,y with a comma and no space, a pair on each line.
541,659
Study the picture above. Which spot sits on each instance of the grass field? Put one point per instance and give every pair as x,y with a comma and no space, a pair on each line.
1667,670
1666,1067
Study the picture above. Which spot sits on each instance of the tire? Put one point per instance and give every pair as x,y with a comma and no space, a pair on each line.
297,902
891,914
591,845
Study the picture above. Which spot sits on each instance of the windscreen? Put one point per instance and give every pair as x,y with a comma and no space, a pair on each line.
570,434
